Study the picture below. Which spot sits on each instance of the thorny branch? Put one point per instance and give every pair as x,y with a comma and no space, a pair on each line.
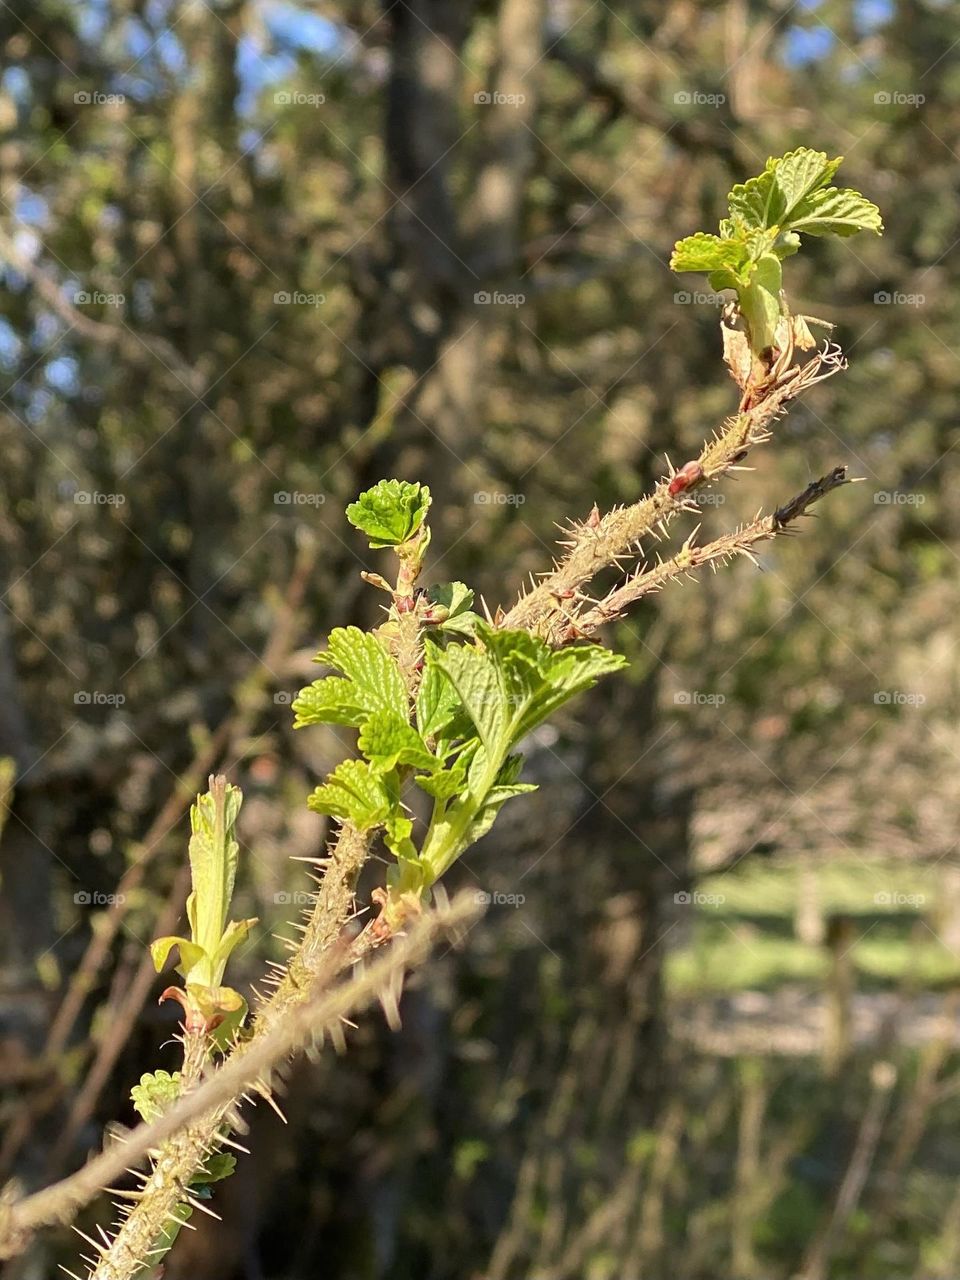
596,545
552,607
720,551
319,956
196,1118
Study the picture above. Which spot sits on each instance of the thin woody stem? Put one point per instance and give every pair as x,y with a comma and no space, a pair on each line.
601,542
691,556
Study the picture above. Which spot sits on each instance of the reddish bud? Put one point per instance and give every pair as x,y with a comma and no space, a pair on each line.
193,1019
688,474
404,604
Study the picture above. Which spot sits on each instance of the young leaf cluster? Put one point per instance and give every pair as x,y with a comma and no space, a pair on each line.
480,692
767,215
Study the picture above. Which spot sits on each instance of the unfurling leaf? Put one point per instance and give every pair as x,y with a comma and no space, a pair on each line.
215,1168
370,683
204,955
774,197
191,953
390,513
450,608
156,1092
355,793
213,867
708,253
444,785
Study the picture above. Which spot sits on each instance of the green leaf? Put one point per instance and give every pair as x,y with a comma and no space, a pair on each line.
213,864
191,954
443,785
793,192
516,681
390,513
480,688
504,789
772,198
761,304
235,933
497,795
362,658
215,1168
462,624
509,683
840,213
798,175
705,252
450,608
156,1092
396,836
355,793
332,700
437,701
538,680
791,195
751,202
453,597
180,1214
387,740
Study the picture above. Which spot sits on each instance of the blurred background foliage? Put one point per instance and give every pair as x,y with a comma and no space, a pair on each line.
255,256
